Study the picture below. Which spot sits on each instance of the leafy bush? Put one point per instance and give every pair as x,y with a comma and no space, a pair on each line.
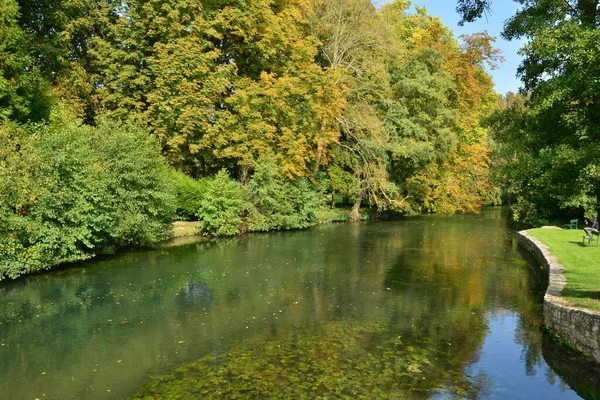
68,192
141,200
188,195
222,205
279,203
269,201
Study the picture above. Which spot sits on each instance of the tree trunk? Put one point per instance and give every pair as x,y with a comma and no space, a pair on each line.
332,199
244,174
319,150
354,214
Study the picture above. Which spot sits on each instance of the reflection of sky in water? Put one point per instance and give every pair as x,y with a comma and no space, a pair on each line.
196,294
502,367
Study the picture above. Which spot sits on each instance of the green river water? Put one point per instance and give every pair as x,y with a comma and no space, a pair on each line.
425,307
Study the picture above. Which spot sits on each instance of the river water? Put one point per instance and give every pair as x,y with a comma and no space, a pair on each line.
425,307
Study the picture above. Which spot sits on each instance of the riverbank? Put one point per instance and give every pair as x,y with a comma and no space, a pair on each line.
185,232
183,229
576,325
581,264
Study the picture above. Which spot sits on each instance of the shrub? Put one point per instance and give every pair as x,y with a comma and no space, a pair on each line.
188,195
279,203
68,192
141,199
222,205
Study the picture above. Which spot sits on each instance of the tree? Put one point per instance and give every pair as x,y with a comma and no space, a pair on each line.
470,10
70,191
402,138
439,157
219,82
355,42
555,167
23,93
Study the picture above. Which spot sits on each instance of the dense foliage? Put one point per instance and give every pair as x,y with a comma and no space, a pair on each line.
188,195
410,137
547,143
260,107
268,201
221,205
68,192
23,92
281,204
223,84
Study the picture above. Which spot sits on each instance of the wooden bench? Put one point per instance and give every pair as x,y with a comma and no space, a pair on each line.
594,238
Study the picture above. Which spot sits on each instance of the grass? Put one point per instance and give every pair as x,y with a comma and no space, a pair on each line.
581,262
330,215
185,228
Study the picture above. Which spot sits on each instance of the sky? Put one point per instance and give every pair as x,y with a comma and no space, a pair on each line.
504,77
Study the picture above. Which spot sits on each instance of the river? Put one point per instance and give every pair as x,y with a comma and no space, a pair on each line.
424,307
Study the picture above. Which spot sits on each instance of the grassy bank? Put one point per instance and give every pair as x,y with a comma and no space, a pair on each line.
186,228
325,216
581,262
331,215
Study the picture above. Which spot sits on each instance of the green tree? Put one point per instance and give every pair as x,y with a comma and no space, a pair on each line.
554,166
222,205
439,157
188,195
24,95
278,203
470,10
355,43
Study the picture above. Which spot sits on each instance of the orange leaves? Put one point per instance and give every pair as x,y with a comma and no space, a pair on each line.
475,96
462,184
244,83
478,49
283,115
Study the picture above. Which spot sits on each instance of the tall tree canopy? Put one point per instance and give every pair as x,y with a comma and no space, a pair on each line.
555,141
368,97
403,144
224,83
23,92
264,104
470,10
440,94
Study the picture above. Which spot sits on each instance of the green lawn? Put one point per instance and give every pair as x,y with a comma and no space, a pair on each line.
582,264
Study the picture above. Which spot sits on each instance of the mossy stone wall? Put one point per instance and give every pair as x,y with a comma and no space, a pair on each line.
580,327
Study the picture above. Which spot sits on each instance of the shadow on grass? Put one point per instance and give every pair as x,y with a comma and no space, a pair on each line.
580,244
582,294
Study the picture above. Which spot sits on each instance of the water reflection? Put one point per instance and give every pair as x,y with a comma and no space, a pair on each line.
196,294
454,289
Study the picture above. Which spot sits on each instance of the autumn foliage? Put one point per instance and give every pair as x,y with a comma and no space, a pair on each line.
381,106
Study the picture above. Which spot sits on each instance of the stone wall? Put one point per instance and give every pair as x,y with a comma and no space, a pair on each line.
580,327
